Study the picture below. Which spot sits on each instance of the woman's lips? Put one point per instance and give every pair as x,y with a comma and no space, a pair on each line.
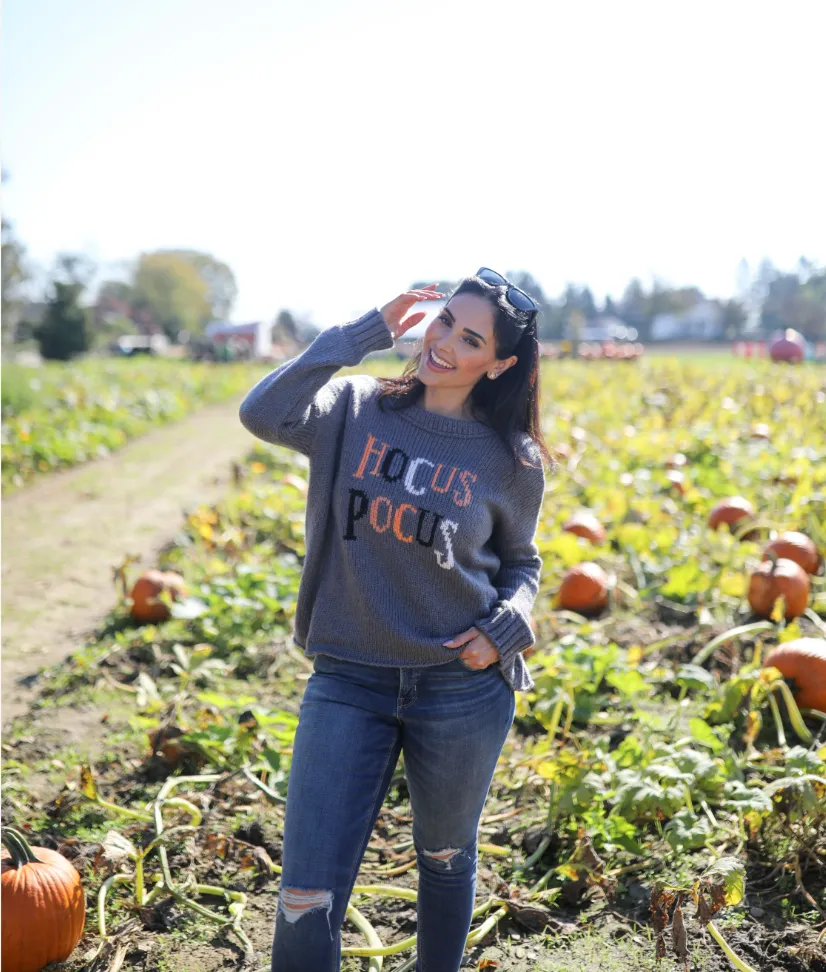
434,365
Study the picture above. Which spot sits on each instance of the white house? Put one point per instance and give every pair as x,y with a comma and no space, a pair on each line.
702,322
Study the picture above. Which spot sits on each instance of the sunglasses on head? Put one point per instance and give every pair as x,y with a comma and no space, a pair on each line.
516,297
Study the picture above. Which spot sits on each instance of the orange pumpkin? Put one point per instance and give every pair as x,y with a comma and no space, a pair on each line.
44,906
146,604
797,547
776,577
585,524
732,510
584,589
803,663
729,511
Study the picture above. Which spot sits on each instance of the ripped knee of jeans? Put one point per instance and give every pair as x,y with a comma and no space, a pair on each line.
294,903
445,858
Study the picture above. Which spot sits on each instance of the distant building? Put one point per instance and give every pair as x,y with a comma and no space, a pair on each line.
702,322
256,335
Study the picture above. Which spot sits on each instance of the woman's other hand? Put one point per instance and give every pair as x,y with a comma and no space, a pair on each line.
394,310
478,650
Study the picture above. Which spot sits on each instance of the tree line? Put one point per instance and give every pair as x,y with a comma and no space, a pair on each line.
769,300
177,292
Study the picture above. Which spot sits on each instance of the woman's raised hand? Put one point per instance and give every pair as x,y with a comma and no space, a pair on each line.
394,310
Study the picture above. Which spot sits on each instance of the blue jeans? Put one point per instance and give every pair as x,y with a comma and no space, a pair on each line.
450,722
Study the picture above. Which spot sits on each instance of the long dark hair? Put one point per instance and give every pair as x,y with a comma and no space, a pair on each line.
510,403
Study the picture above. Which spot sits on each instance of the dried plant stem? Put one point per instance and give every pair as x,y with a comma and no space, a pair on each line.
802,889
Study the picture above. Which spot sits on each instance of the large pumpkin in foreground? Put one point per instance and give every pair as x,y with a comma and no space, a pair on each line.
803,663
146,602
44,906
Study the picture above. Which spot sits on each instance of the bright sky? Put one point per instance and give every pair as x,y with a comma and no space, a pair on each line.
333,151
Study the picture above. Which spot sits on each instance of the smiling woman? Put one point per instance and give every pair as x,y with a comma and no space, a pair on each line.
420,574
479,359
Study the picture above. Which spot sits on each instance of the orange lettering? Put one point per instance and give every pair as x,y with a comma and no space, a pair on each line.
374,514
397,522
368,451
464,475
440,489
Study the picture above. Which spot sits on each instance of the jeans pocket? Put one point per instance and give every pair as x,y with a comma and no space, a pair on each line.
470,668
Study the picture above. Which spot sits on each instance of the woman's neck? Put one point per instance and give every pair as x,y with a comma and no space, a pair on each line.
450,402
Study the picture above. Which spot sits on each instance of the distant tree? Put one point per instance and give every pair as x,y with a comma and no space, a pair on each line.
284,327
15,276
791,302
634,303
64,331
112,312
735,316
552,321
168,293
222,288
577,308
672,300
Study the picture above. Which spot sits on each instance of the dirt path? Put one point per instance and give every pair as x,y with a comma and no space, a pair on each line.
63,534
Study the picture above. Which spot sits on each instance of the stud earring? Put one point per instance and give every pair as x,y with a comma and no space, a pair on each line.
492,374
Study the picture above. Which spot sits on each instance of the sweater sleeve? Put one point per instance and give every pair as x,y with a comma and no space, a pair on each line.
286,406
517,579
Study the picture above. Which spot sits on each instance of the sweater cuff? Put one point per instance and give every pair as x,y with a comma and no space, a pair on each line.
507,629
370,332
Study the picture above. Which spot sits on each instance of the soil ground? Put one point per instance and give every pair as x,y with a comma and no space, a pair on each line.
63,535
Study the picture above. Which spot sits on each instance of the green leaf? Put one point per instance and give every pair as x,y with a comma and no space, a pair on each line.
569,548
694,677
687,578
742,798
729,873
627,683
800,760
705,735
272,757
724,710
685,831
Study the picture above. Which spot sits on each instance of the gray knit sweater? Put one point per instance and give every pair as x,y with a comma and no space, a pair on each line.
418,526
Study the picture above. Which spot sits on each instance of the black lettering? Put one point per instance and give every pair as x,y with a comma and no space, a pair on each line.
436,518
388,462
355,513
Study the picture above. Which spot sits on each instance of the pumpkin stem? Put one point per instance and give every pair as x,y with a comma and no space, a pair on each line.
773,558
18,847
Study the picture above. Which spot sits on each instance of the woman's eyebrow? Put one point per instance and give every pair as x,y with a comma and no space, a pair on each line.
452,316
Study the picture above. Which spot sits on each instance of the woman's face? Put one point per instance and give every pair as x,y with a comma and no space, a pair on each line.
461,334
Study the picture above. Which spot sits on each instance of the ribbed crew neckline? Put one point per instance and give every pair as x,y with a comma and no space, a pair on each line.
444,423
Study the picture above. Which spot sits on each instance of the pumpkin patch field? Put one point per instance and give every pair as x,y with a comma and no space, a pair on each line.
661,799
60,415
